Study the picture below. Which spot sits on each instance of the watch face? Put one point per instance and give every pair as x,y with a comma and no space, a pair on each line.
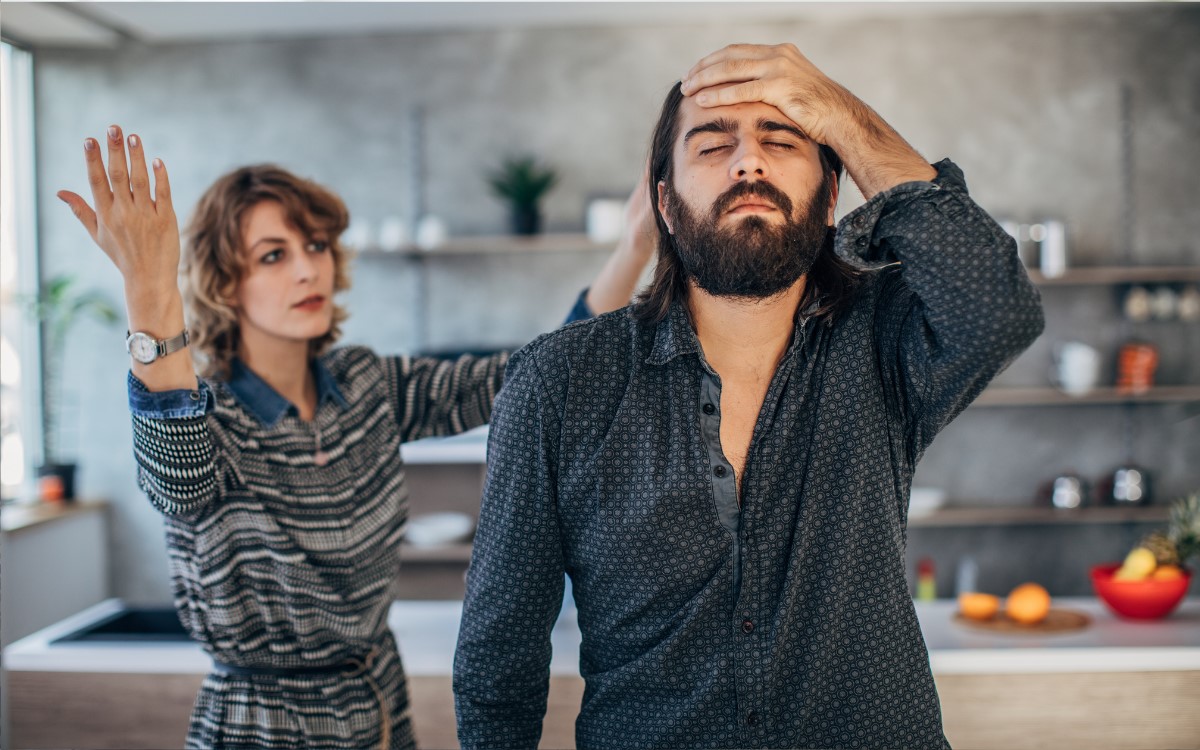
142,348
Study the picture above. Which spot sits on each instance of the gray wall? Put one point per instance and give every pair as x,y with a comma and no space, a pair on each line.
1028,104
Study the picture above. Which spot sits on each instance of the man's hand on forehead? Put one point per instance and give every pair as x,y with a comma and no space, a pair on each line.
777,75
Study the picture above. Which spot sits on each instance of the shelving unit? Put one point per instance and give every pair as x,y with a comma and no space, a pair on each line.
497,244
1106,275
1097,396
1029,516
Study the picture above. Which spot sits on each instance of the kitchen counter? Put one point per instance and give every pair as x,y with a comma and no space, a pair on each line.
1116,684
428,630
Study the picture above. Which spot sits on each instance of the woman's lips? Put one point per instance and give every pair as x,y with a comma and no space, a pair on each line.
311,304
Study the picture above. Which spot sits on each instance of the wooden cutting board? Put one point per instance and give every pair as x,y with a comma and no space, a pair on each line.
1057,621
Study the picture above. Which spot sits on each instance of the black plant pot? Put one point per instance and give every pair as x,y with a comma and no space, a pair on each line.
56,482
526,220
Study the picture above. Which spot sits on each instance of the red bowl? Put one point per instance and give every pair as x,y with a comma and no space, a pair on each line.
1139,600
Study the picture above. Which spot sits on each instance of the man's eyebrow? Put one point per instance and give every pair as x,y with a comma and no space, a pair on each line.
720,125
774,126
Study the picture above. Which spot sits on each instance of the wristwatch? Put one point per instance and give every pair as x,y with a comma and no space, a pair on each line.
145,348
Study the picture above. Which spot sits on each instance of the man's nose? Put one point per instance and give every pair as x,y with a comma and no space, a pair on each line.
749,163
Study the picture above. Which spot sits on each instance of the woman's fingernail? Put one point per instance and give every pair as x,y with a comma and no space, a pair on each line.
158,163
133,141
114,133
89,144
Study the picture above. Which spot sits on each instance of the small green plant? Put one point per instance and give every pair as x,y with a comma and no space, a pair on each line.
522,182
58,306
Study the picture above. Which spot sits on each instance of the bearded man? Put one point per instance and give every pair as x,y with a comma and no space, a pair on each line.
723,469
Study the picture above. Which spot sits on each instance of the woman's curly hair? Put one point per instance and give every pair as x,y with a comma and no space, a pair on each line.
214,261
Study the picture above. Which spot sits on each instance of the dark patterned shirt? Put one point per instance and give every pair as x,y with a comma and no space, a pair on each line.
785,621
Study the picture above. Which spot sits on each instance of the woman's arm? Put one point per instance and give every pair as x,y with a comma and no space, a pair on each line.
614,286
138,231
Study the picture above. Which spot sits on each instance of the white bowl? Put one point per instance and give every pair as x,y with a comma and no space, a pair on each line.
925,500
432,529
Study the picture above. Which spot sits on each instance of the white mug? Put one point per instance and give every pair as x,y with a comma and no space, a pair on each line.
1077,367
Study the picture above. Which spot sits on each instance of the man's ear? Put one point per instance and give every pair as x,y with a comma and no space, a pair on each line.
662,205
833,196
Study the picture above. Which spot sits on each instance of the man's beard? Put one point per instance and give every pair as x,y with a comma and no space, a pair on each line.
751,258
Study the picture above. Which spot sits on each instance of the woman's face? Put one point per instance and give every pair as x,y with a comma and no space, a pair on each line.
286,293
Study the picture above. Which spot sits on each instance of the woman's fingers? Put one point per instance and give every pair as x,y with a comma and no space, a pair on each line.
139,178
162,190
82,211
97,179
118,169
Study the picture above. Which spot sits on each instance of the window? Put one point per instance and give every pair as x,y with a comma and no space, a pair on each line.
20,422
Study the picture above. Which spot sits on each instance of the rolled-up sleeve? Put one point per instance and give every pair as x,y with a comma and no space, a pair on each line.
172,445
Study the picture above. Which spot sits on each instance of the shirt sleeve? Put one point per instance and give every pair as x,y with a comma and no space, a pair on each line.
435,397
580,311
515,581
959,309
174,450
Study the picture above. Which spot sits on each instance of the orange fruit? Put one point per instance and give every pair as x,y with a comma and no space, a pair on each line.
1167,573
978,606
1028,604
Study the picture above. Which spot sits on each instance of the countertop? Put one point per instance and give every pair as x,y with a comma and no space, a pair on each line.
427,632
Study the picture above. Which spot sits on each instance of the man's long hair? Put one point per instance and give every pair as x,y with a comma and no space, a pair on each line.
831,280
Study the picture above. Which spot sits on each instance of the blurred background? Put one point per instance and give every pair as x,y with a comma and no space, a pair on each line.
1076,125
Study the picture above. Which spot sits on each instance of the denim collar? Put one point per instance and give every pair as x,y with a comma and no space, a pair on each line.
265,403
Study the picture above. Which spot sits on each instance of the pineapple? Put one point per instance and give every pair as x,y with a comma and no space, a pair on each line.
1184,529
1164,550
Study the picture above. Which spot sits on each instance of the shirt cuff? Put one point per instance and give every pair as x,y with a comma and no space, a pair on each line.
177,404
856,240
580,311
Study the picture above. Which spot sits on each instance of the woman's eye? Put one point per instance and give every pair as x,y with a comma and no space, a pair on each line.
712,150
780,144
272,256
318,246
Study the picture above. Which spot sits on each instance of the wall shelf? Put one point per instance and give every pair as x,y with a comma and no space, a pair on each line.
442,553
1105,275
1029,516
1166,394
497,244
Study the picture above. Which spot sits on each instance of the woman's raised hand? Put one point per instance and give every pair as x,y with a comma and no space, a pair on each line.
137,229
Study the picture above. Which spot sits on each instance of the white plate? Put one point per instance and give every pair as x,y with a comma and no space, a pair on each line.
432,529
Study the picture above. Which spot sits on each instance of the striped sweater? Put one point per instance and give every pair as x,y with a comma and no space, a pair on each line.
283,535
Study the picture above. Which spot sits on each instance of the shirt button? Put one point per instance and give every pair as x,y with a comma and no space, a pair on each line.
752,718
861,241
709,409
719,471
747,627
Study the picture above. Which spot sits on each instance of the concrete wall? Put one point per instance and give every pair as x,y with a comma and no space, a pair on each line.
1028,104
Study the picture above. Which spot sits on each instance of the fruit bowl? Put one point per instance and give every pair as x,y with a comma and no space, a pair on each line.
1139,600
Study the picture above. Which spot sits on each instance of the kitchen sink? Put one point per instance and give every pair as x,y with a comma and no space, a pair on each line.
131,624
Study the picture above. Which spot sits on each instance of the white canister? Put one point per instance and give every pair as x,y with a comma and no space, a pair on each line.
431,232
605,219
1053,248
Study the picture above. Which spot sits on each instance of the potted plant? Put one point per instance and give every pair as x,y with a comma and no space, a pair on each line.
522,182
58,306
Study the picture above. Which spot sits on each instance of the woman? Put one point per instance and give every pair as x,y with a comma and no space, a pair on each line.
279,471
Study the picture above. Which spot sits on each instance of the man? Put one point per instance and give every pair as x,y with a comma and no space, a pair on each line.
724,469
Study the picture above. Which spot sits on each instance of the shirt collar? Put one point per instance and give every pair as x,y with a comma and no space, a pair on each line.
265,403
676,336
